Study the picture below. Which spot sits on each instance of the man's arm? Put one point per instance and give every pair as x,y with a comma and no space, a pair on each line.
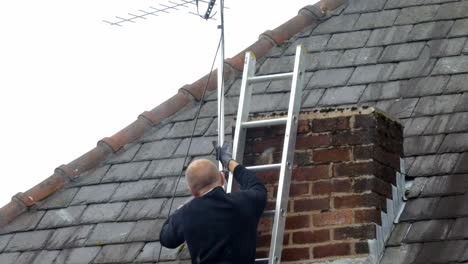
171,235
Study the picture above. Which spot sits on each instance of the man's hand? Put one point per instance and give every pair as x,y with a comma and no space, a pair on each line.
225,154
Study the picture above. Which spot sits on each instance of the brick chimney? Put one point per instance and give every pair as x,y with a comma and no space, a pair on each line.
346,189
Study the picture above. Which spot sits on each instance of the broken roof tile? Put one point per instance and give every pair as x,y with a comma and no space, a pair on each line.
125,172
371,73
457,83
445,185
157,150
348,40
403,254
336,24
451,65
330,78
421,145
142,209
110,233
402,52
27,221
342,95
416,14
433,165
419,209
387,36
78,255
119,253
67,237
398,108
61,217
446,47
146,230
28,241
433,105
376,19
355,57
430,30
134,190
453,10
365,6
94,194
96,213
427,231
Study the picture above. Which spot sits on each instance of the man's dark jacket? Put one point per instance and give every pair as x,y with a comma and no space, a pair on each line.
220,227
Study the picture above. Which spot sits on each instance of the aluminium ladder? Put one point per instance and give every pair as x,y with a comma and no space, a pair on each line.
291,122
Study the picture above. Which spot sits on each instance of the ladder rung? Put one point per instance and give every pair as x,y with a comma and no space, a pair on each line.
268,213
267,167
265,122
272,77
262,260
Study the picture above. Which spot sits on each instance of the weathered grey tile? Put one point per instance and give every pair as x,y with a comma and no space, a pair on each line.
96,213
110,233
446,47
78,255
157,133
151,253
430,30
451,207
157,150
68,237
336,24
387,36
165,187
451,65
26,257
433,165
265,102
312,44
89,178
455,143
182,188
457,83
402,52
229,124
417,14
184,129
330,78
28,241
46,257
322,60
398,234
234,91
9,258
450,123
371,73
362,56
459,230
4,241
406,3
433,105
342,95
424,231
417,68
421,145
453,10
465,49
142,209
119,253
313,98
348,40
26,221
188,112
199,146
416,187
398,108
60,199
284,85
445,185
419,209
146,230
210,109
418,87
277,65
441,252
462,105
416,126
95,194
125,154
381,91
177,202
376,19
356,6
61,217
166,167
134,190
126,172
403,254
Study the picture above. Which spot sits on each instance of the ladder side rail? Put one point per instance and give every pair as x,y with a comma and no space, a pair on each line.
287,158
242,113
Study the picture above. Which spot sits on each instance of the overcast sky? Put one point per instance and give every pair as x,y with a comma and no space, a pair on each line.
67,79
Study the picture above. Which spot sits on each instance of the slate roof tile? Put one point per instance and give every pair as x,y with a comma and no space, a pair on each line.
453,10
313,98
277,65
403,254
417,14
46,257
94,194
450,123
78,255
418,87
96,213
419,209
26,257
421,145
4,239
430,30
445,185
329,78
459,230
9,258
381,91
157,133
281,86
235,91
457,83
89,178
433,105
371,73
416,126
441,252
125,172
151,252
416,187
365,6
455,143
118,253
462,105
451,65
60,199
462,165
433,165
157,150
446,47
184,129
142,209
451,207
165,167
412,69
61,217
312,44
398,234
28,241
336,24
126,154
390,35
229,123
399,108
355,57
187,113
69,237
323,60
176,203
348,40
27,221
134,190
376,19
110,233
146,230
342,95
402,52
426,231
211,109
165,187
406,3
199,146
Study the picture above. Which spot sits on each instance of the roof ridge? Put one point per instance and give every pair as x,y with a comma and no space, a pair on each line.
107,146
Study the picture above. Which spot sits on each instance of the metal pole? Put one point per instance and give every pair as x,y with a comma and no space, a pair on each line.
221,81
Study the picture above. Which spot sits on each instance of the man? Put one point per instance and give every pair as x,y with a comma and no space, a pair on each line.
218,227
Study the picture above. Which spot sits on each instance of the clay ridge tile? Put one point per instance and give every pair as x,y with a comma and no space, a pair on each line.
109,145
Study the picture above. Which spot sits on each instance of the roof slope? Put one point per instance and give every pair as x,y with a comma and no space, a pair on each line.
406,57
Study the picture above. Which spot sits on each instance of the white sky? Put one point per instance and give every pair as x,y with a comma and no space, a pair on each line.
67,79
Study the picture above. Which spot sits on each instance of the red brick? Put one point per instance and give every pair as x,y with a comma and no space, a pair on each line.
268,177
385,173
295,254
363,152
330,124
311,173
357,232
297,222
303,126
364,121
347,137
373,184
299,189
390,159
360,200
306,205
361,247
265,224
312,141
260,145
263,240
342,217
352,169
340,249
331,154
307,237
301,158
367,216
262,253
322,187
342,185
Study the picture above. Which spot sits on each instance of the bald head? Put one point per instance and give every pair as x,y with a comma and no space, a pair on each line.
202,175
